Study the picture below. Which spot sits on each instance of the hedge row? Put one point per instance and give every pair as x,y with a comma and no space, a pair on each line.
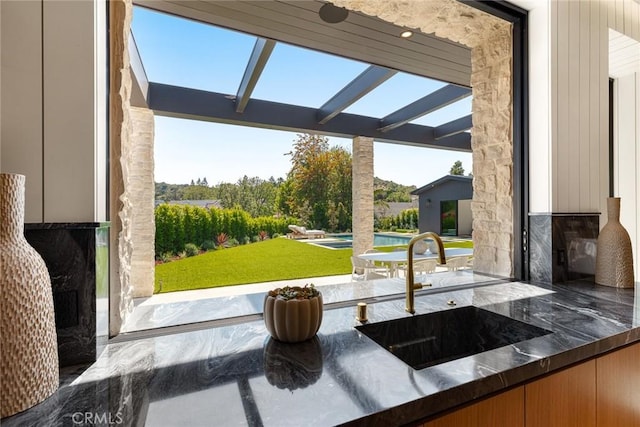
407,219
177,225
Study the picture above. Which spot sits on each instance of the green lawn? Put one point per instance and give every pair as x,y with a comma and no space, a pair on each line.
275,259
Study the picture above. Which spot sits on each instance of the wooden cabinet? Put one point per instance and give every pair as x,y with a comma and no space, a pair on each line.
564,399
504,410
618,381
603,392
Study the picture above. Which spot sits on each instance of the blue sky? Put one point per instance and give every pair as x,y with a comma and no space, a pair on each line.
185,53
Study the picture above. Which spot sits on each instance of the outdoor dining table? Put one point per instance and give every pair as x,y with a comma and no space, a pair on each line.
400,257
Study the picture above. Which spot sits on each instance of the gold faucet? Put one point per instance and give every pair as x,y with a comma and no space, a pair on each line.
410,280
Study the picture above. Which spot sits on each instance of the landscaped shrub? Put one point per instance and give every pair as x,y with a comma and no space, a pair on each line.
222,240
207,245
177,225
191,250
169,229
238,221
405,220
165,257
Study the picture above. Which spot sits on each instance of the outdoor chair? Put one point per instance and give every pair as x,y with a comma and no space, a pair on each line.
381,267
366,270
470,263
400,266
299,232
456,263
425,266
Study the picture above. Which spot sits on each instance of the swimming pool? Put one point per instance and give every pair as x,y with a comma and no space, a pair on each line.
378,240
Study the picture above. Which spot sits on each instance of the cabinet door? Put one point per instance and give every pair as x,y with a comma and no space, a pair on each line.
618,376
504,410
564,399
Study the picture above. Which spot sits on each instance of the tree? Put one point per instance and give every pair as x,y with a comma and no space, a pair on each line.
457,168
380,203
318,186
197,192
254,195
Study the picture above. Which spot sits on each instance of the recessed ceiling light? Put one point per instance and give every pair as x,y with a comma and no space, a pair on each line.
406,34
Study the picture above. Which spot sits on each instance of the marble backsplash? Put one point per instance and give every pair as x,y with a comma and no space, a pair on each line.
77,256
562,247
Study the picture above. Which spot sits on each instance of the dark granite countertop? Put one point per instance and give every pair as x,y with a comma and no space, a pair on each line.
236,375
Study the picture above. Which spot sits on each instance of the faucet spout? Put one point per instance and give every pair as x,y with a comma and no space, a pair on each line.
410,279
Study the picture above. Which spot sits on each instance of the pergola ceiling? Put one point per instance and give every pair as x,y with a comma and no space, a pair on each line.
360,37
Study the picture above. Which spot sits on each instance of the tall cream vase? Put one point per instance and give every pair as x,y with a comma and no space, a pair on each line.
614,259
29,368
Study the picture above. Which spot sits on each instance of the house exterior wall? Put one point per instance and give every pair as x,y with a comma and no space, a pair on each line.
53,89
429,210
465,218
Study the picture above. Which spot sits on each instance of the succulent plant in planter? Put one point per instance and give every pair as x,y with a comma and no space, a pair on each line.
293,313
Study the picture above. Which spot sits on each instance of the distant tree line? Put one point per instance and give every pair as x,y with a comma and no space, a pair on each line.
255,195
316,191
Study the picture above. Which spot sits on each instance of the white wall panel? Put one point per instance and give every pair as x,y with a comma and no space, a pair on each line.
580,119
540,137
54,129
584,81
69,100
595,106
626,182
21,82
602,191
569,99
562,168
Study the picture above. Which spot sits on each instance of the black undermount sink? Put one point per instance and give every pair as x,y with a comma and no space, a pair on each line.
429,339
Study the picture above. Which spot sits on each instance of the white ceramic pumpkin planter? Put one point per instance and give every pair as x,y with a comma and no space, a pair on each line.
293,314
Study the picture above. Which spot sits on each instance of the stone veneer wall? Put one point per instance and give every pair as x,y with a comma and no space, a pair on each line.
490,40
362,194
142,192
120,136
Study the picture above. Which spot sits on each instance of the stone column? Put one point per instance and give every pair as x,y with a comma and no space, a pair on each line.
120,298
492,146
362,191
489,38
142,190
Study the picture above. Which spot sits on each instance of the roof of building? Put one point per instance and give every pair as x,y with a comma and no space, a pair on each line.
440,181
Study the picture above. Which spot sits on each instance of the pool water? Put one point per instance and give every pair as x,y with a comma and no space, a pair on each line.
378,239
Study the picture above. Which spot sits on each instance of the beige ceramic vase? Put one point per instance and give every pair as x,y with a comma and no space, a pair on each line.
614,259
293,320
28,342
